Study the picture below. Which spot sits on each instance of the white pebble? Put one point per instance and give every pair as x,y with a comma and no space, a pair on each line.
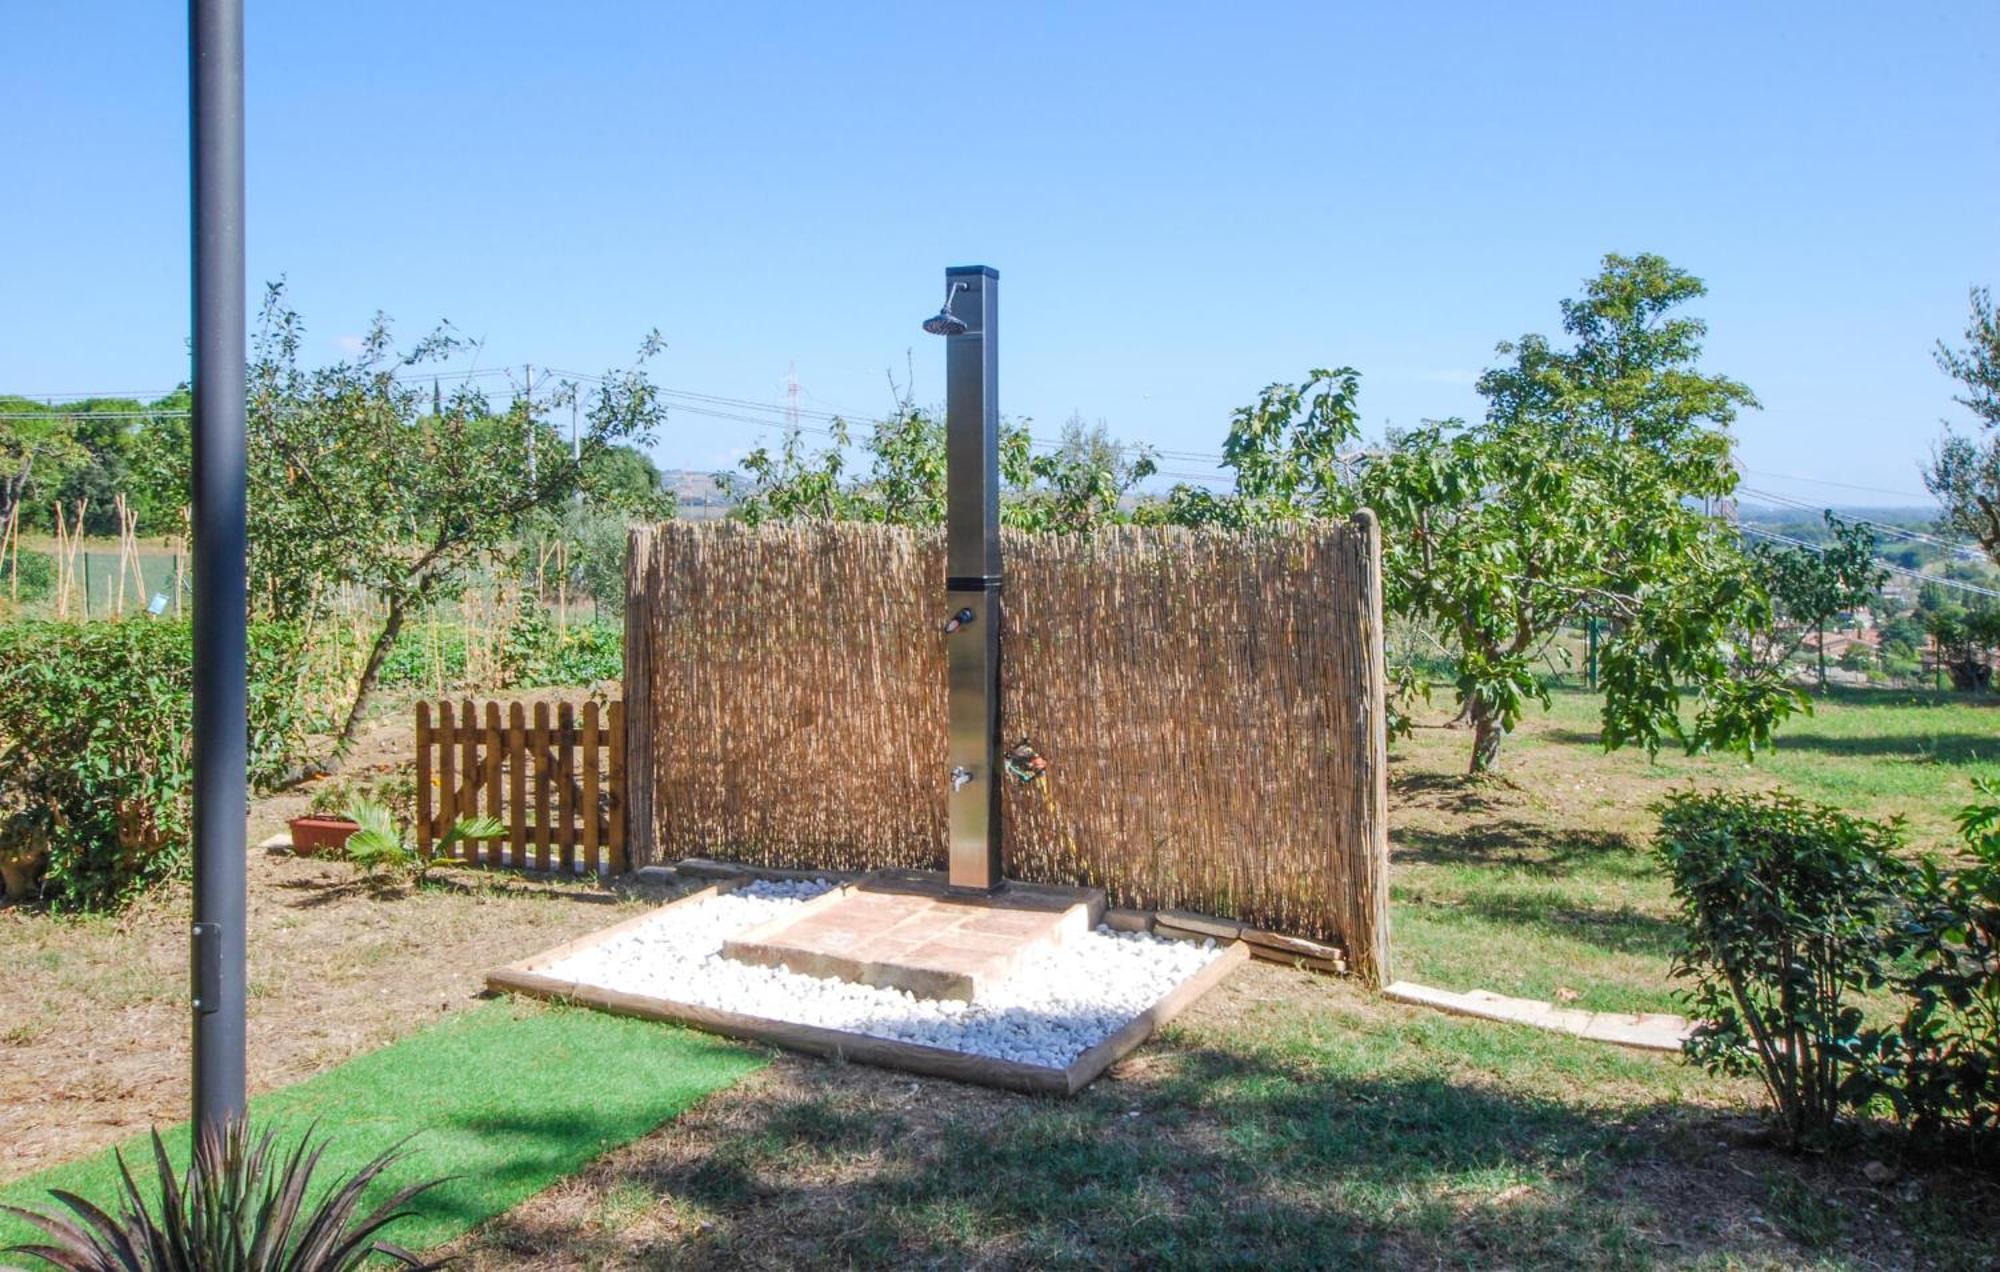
1058,1003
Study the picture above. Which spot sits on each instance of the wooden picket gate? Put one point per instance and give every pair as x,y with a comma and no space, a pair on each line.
557,784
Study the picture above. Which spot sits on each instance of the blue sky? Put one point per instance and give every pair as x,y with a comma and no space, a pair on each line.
1184,202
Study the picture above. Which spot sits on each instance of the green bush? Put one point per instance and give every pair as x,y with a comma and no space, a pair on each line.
1786,912
95,724
1950,1037
37,576
536,655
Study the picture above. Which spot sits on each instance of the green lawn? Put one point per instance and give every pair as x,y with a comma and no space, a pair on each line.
507,1097
1540,881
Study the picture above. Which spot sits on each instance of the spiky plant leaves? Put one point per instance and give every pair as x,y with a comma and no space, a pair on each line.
241,1207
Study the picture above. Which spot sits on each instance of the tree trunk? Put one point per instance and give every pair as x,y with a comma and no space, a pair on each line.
1486,737
371,673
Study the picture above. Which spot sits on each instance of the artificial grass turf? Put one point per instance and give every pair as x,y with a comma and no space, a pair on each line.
507,1097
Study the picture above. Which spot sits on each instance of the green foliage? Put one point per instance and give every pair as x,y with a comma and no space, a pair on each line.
96,721
1964,472
364,479
243,1205
1950,1035
384,845
95,772
1082,484
36,576
539,655
1785,910
1966,640
1574,498
1810,585
395,790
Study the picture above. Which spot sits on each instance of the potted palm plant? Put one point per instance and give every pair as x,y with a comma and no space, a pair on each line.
381,843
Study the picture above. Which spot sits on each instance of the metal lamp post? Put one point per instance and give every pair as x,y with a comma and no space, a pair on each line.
215,116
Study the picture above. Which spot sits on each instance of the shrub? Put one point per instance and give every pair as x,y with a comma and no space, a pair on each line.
537,655
241,1205
395,790
1951,1033
95,732
1786,909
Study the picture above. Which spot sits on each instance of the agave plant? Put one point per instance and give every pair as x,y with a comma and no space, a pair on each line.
382,843
242,1207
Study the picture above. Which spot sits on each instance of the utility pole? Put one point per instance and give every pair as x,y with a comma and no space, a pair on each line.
528,395
215,108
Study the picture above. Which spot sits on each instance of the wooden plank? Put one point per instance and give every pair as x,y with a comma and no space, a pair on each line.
556,953
469,802
831,1043
426,828
1097,1059
1200,924
495,798
566,784
587,747
634,794
538,743
615,811
517,786
1129,920
447,784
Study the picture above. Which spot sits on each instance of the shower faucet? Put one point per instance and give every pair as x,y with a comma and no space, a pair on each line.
969,323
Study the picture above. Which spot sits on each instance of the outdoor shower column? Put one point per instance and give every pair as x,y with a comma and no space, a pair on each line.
972,568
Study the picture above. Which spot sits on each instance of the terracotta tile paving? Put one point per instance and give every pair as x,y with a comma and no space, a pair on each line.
919,937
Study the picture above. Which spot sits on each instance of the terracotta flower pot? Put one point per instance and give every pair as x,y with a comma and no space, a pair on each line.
317,836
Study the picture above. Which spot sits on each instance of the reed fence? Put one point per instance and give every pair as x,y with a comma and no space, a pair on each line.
1210,706
555,777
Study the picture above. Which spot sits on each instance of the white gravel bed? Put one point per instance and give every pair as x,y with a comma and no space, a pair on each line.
1058,1003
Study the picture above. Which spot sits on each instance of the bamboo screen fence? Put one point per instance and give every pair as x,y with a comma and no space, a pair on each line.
1210,705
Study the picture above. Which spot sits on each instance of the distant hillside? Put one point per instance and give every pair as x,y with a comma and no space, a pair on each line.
1910,518
700,496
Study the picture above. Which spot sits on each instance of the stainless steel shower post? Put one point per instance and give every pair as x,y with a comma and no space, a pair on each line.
972,567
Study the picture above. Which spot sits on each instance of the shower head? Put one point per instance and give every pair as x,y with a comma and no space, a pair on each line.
944,322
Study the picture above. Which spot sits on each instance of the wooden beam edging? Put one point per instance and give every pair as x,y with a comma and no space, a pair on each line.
524,978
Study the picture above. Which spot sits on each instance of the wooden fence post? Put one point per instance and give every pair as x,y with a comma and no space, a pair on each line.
642,603
426,825
1366,924
517,786
587,748
615,818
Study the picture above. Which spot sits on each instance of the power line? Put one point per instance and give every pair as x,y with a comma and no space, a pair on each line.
1901,532
1890,566
1841,485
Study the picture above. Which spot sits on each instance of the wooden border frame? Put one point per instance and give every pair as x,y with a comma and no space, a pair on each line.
526,978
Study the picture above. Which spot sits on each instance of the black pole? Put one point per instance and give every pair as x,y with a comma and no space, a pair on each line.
215,111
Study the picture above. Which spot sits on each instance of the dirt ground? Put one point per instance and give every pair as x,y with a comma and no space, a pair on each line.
93,1019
